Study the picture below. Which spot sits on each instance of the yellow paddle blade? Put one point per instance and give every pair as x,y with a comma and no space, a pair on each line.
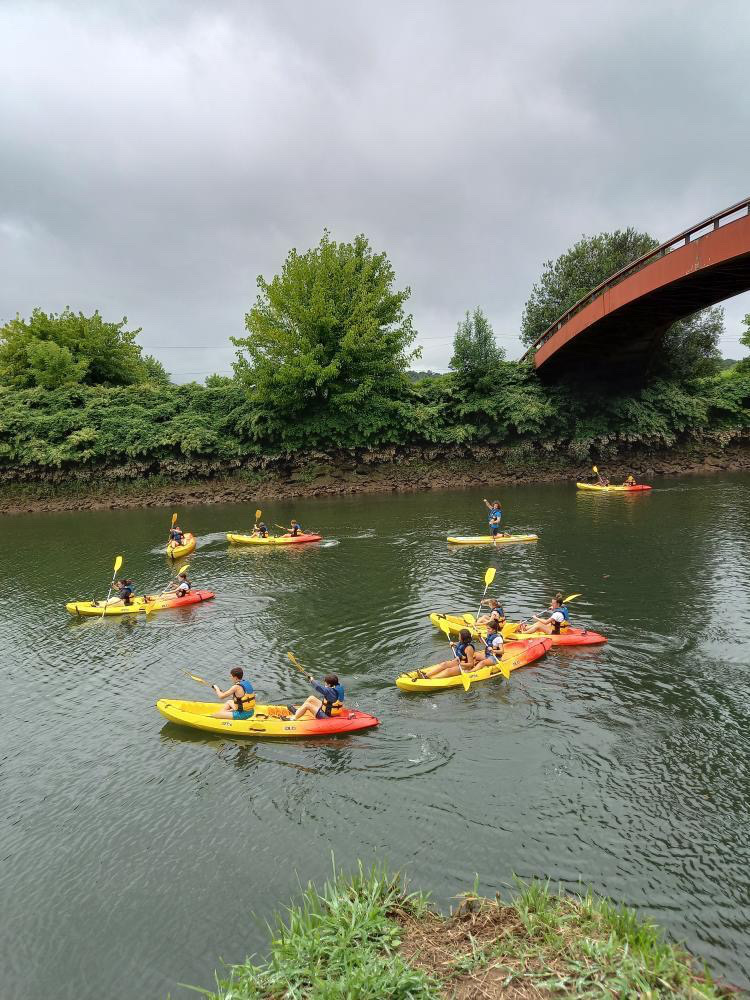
195,677
489,576
571,597
295,662
594,469
466,680
504,670
444,627
118,564
174,519
257,514
183,569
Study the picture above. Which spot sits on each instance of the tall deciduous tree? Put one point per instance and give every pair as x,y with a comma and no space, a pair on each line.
475,351
690,348
68,348
587,264
327,350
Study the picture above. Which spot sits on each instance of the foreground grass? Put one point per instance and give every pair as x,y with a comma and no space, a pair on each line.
366,937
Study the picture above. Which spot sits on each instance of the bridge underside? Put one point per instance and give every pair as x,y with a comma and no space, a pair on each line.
618,334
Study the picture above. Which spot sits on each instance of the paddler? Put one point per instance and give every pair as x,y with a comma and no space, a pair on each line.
493,646
330,700
601,480
295,528
494,517
630,481
464,657
242,695
179,588
495,614
260,530
176,535
557,622
123,595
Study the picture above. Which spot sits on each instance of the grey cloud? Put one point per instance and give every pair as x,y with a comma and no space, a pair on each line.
157,157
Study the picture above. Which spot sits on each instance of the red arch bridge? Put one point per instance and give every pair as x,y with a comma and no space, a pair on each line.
616,328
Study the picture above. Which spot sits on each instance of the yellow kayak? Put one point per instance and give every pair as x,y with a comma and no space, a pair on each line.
138,606
638,488
268,720
489,540
571,636
179,551
236,539
515,655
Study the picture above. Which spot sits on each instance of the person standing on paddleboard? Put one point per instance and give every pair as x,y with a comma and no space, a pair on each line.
495,517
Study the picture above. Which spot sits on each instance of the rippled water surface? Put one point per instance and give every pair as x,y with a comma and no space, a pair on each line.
137,855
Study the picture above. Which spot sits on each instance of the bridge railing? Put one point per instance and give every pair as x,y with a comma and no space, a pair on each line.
682,239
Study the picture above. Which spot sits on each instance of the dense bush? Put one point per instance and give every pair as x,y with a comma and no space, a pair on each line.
94,426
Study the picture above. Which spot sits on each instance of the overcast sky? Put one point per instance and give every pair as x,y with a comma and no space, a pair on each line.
155,157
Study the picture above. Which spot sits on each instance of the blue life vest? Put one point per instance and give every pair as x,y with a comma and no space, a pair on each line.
566,613
489,648
126,591
460,649
247,702
495,513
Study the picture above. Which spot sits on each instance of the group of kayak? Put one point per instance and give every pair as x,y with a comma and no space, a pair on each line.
491,645
487,646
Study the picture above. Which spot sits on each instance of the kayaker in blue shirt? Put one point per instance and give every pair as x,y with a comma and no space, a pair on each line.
261,530
176,535
330,702
124,589
242,695
295,528
495,516
464,657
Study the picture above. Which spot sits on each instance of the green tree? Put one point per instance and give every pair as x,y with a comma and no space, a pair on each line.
68,348
744,364
476,355
690,347
327,350
576,272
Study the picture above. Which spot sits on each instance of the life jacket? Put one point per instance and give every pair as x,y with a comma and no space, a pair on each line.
460,649
490,649
498,613
247,702
296,530
125,593
495,513
184,587
263,531
177,536
334,707
557,626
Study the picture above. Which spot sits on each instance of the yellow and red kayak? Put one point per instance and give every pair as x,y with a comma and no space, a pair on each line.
571,636
489,540
236,539
638,488
139,605
179,551
268,720
515,655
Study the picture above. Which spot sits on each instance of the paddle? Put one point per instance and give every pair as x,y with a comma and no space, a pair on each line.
566,600
150,605
489,576
174,520
195,677
118,564
465,679
295,663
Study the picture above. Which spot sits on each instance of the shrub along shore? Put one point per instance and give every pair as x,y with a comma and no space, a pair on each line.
93,447
367,936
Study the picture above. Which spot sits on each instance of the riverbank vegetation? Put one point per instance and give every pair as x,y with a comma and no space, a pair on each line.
367,936
324,370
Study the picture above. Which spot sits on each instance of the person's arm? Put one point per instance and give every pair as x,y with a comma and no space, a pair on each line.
488,505
470,655
326,693
229,693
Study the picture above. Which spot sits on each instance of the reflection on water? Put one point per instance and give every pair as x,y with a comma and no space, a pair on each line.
623,767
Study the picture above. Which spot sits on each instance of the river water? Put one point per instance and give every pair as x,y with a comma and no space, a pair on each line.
137,855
